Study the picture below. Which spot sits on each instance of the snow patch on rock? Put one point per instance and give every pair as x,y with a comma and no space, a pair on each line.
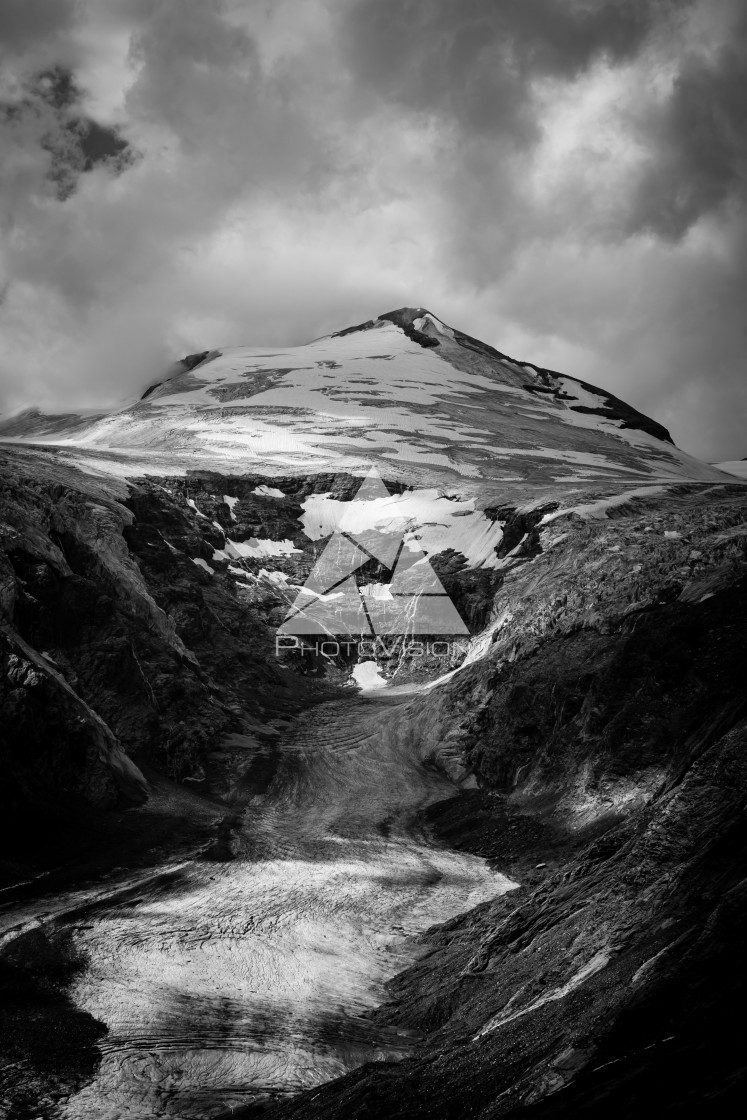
599,509
367,676
268,492
427,520
255,547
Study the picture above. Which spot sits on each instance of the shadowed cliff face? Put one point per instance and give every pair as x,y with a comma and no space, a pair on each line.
221,868
119,652
48,1045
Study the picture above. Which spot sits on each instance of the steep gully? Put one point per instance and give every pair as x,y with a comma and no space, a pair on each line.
231,954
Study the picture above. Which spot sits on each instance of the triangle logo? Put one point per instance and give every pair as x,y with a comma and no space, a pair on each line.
413,602
341,612
339,560
414,575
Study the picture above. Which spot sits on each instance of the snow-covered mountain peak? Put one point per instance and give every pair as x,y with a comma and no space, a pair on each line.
405,392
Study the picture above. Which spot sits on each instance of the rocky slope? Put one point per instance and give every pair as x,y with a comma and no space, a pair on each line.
214,857
120,653
607,725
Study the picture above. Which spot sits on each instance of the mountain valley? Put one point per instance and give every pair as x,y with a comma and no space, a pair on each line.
431,874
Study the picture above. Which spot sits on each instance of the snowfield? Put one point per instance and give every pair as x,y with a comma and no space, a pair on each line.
449,413
428,520
737,467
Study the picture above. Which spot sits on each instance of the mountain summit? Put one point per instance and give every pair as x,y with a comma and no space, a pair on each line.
403,392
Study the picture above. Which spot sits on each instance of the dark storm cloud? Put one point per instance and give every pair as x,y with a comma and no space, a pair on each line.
697,140
47,110
476,65
474,61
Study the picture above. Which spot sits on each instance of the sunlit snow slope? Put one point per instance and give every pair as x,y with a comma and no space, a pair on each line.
737,467
403,392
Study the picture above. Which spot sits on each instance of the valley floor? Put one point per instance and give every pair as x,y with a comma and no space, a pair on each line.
248,970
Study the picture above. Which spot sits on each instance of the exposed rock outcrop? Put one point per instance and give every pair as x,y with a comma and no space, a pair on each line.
118,652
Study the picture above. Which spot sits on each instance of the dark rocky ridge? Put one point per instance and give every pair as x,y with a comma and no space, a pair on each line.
404,319
613,409
186,364
113,640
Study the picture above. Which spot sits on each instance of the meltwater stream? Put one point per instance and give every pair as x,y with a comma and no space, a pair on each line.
243,979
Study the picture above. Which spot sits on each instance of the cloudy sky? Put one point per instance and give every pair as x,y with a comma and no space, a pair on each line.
565,179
